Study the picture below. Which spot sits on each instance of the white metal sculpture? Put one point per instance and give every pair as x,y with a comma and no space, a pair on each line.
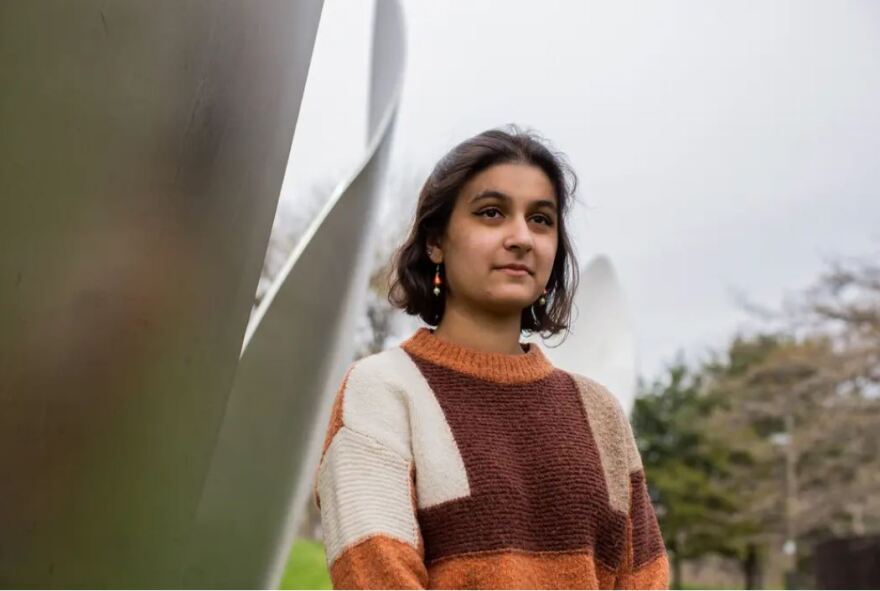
295,352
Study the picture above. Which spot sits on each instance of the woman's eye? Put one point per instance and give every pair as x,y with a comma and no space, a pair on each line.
547,221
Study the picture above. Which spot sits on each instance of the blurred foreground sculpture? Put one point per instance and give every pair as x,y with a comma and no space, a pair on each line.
142,151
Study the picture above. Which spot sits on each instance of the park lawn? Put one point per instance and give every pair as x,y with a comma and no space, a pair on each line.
306,568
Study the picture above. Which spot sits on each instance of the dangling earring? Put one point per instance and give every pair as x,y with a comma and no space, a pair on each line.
543,299
437,281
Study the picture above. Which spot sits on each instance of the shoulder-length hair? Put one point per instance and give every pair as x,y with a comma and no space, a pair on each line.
413,271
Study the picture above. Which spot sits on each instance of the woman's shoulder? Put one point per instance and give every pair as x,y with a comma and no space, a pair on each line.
384,369
609,423
597,396
372,400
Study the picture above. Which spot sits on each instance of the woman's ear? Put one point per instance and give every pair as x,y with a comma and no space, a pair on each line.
435,253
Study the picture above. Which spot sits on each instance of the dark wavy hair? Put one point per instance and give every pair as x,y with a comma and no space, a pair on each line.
413,271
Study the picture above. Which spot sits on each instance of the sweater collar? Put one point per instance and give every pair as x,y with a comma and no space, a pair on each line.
504,368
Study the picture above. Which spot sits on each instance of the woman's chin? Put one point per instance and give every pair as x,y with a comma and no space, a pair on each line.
511,302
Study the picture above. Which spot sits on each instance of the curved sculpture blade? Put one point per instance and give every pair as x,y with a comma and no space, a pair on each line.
297,347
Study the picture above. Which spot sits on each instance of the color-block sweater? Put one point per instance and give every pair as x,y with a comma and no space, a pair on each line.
448,467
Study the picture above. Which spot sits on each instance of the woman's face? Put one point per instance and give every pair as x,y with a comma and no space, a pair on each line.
505,214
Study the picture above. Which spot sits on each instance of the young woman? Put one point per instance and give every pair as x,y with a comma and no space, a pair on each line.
463,458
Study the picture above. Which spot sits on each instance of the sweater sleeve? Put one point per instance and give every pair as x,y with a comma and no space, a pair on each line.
365,490
645,564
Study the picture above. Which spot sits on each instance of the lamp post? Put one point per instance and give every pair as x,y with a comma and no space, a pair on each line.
789,548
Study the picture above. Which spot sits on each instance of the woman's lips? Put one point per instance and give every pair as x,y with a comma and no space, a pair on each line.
514,272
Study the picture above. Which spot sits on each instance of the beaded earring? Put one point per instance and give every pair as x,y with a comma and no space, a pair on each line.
437,281
543,299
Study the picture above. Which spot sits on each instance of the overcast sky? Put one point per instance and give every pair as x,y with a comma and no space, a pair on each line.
720,146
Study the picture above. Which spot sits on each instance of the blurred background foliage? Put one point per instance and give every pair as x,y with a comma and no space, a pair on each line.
764,450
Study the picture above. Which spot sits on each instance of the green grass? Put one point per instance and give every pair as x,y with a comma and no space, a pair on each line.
306,567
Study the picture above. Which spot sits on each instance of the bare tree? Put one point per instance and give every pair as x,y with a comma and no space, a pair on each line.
804,408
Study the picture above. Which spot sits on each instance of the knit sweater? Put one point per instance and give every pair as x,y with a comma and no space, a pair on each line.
446,467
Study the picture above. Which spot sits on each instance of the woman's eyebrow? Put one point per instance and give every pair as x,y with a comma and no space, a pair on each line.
493,193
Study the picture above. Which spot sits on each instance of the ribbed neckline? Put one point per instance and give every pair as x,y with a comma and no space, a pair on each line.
504,368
